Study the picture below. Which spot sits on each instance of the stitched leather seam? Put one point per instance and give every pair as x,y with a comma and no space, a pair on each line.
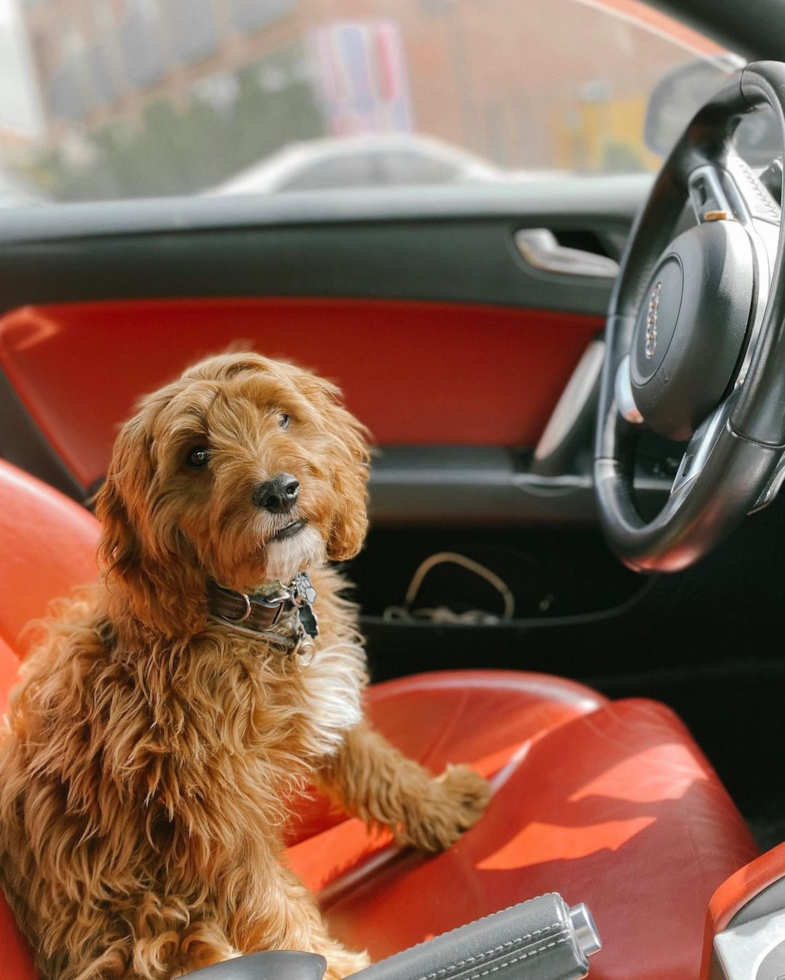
490,952
523,956
485,918
753,183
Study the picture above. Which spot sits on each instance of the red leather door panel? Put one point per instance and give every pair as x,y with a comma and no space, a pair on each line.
415,373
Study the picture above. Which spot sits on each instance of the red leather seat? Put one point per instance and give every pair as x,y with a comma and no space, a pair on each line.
47,544
611,804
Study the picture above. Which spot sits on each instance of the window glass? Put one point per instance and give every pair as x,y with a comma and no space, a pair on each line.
127,98
347,170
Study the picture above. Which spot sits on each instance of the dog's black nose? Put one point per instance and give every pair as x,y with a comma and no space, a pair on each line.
278,495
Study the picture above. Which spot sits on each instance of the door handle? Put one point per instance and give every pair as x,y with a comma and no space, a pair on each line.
541,250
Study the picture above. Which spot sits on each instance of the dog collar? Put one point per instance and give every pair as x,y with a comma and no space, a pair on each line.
284,616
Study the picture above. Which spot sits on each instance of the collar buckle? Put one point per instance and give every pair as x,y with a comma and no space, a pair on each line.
285,616
242,618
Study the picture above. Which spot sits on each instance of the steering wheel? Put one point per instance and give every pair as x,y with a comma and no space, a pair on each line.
695,340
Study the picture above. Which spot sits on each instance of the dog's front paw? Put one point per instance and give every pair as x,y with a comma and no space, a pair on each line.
344,962
455,801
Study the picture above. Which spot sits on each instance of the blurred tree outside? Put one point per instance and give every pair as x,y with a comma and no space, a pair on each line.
186,149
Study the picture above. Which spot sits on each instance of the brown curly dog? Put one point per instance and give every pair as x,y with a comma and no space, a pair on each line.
161,731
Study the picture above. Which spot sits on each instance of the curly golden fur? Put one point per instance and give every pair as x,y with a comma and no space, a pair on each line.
152,754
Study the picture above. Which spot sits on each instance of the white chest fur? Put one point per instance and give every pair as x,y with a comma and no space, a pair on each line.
333,684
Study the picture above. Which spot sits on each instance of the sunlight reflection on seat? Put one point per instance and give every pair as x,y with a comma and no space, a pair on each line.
661,772
539,843
656,774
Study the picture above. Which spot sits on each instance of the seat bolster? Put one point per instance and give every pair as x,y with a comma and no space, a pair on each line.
475,716
9,673
543,687
16,962
49,544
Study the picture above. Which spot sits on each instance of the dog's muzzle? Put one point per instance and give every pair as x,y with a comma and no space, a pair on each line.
279,495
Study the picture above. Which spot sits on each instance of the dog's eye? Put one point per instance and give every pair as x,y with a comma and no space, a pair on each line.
283,420
198,457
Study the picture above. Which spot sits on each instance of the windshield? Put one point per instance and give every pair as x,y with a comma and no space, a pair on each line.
103,99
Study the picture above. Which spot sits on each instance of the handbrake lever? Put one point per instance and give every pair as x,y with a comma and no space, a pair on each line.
541,939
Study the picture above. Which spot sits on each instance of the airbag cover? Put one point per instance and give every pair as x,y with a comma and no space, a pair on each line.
691,327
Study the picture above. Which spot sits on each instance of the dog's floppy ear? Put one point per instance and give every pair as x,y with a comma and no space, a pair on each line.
161,583
349,450
350,478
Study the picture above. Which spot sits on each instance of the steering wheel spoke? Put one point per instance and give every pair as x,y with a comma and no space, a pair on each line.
625,400
733,192
701,445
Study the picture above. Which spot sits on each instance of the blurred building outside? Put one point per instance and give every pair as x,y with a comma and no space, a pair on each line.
139,97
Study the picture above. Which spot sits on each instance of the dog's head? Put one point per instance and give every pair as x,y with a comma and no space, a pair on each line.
245,470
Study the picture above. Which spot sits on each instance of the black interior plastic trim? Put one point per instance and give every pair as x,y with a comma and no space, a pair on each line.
456,262
556,645
449,245
755,28
575,201
482,485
